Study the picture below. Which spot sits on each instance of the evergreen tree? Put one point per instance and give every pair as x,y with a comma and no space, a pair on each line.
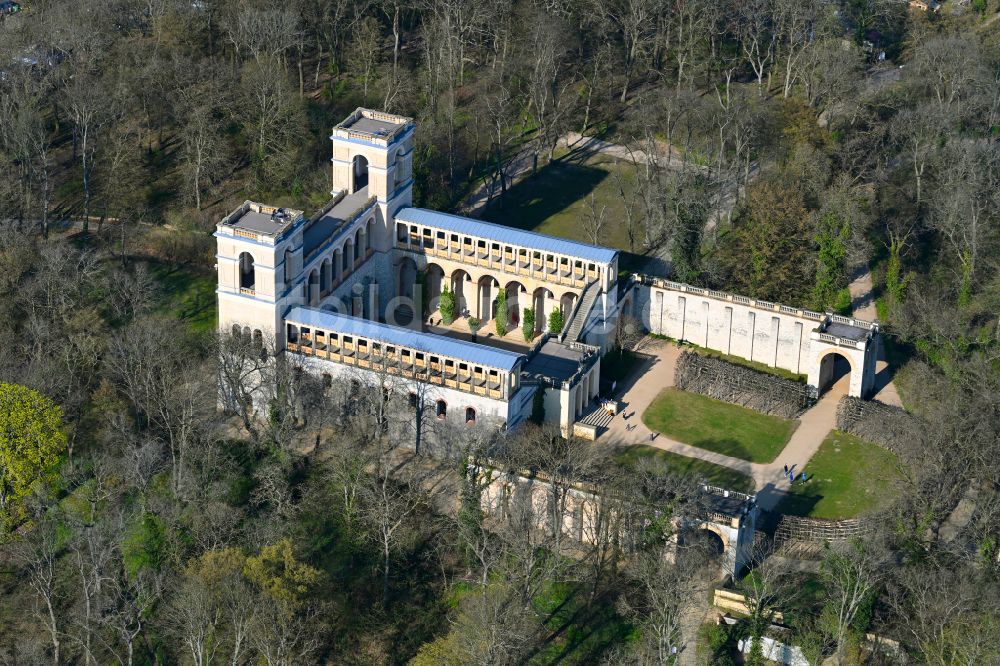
528,326
447,306
501,317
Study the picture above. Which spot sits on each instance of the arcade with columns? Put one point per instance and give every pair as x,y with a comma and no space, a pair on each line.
370,256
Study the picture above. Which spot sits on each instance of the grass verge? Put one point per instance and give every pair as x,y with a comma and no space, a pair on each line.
556,198
848,477
710,473
187,294
736,360
718,426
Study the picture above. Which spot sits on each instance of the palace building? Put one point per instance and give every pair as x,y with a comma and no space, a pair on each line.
355,291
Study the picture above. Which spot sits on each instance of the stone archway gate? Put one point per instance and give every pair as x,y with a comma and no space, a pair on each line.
778,336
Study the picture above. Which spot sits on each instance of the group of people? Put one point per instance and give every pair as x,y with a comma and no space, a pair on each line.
790,473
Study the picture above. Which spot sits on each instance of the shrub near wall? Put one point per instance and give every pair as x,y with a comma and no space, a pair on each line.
892,428
742,386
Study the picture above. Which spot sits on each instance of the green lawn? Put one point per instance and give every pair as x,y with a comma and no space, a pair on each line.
713,474
554,200
848,477
186,293
718,426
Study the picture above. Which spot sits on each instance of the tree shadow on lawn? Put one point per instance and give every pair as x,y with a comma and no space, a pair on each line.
588,630
725,446
553,189
794,504
186,291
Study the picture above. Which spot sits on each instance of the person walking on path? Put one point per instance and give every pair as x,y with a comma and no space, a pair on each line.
786,469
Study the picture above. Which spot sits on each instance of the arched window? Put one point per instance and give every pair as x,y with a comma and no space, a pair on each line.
327,381
412,399
360,172
247,277
442,409
237,331
470,415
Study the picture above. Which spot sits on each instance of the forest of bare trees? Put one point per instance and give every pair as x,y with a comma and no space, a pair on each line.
778,148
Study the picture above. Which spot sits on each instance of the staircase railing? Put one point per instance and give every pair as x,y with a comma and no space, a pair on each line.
593,287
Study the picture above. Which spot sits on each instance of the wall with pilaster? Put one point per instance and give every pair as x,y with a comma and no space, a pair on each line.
774,338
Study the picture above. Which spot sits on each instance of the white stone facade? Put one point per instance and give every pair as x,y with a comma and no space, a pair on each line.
362,254
778,336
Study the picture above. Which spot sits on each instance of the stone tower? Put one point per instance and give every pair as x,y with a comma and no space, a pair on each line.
259,254
373,156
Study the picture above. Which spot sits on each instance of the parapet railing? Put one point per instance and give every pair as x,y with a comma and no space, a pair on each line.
839,341
824,319
851,321
237,214
726,296
726,492
544,271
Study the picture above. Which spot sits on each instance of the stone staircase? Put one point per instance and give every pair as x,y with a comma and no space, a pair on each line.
597,417
574,327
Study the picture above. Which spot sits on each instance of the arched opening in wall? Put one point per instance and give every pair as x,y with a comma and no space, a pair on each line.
360,243
370,235
312,297
470,416
348,256
248,277
338,264
705,542
404,308
435,280
407,276
566,303
360,169
486,302
459,279
543,303
834,372
515,303
325,277
441,409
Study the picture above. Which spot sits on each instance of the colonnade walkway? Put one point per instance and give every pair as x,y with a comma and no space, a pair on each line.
657,373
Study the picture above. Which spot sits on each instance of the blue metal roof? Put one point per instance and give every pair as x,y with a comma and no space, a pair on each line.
404,337
509,235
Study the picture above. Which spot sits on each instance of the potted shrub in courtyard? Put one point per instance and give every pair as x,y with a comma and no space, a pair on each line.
474,325
447,306
556,321
529,324
501,317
